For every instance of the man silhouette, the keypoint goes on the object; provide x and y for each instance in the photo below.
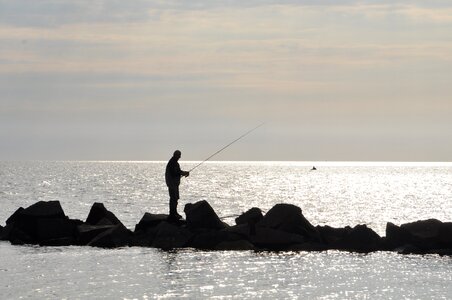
(173, 174)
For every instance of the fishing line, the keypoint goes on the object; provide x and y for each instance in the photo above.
(237, 215)
(240, 137)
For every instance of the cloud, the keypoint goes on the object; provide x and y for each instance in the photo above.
(318, 69)
(52, 13)
(55, 13)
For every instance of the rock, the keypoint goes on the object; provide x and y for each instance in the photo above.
(252, 216)
(17, 236)
(445, 235)
(117, 236)
(289, 218)
(360, 239)
(424, 229)
(209, 239)
(308, 246)
(65, 241)
(143, 239)
(50, 229)
(86, 233)
(425, 234)
(282, 228)
(396, 237)
(146, 230)
(44, 209)
(331, 235)
(146, 238)
(265, 237)
(206, 240)
(99, 215)
(443, 252)
(40, 221)
(274, 239)
(235, 245)
(4, 233)
(170, 236)
(202, 215)
(409, 249)
(242, 231)
(177, 222)
(105, 222)
(14, 216)
(150, 220)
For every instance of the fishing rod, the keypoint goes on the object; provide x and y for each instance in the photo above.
(240, 137)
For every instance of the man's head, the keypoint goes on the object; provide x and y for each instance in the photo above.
(177, 154)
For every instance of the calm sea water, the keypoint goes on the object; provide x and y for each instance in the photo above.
(337, 194)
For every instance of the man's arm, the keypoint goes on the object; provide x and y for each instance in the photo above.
(176, 170)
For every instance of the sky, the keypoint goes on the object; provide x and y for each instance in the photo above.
(135, 80)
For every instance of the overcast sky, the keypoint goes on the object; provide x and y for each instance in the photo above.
(135, 80)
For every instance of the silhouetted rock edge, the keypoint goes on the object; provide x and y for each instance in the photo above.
(282, 228)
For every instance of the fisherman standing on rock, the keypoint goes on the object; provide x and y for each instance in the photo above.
(173, 174)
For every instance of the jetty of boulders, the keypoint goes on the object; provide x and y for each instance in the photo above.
(282, 228)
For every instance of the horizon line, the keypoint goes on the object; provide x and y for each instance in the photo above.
(301, 162)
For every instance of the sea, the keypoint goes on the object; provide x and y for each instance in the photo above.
(336, 194)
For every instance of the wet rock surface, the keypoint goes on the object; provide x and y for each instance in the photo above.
(282, 228)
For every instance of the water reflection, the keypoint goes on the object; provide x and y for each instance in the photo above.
(333, 195)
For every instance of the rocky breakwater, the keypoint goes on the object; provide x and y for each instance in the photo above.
(282, 228)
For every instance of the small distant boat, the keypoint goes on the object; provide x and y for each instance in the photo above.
(313, 168)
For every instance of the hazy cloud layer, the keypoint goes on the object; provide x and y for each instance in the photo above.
(348, 80)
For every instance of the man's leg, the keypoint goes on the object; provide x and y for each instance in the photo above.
(174, 197)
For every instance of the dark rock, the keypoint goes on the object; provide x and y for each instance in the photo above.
(143, 239)
(289, 218)
(86, 233)
(105, 222)
(238, 232)
(4, 233)
(209, 239)
(17, 236)
(206, 240)
(445, 235)
(49, 229)
(274, 239)
(40, 221)
(266, 238)
(308, 246)
(145, 234)
(251, 216)
(150, 220)
(99, 215)
(202, 215)
(409, 249)
(44, 209)
(424, 229)
(396, 237)
(117, 236)
(425, 234)
(283, 228)
(18, 242)
(170, 236)
(65, 241)
(177, 222)
(331, 235)
(360, 239)
(14, 216)
(235, 245)
(242, 231)
(443, 252)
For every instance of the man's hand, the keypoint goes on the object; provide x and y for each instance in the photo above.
(187, 174)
